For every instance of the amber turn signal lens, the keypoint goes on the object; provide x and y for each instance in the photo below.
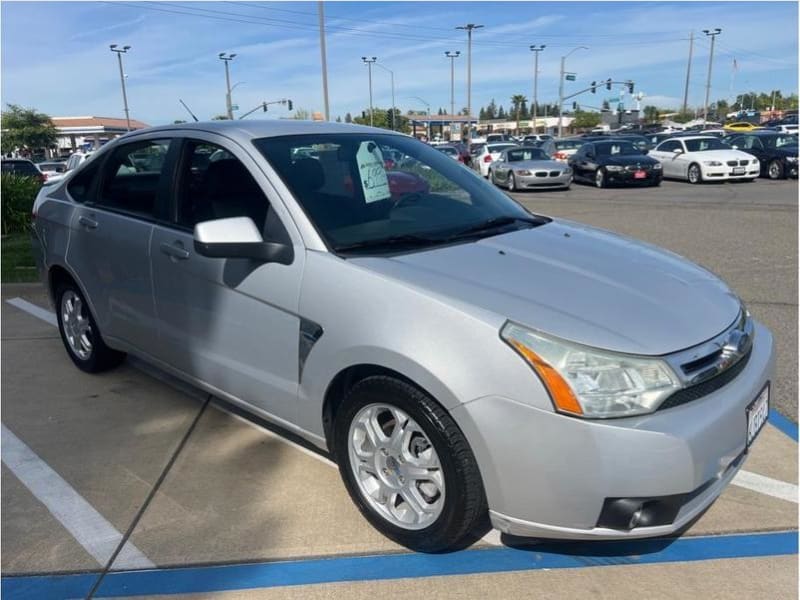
(560, 391)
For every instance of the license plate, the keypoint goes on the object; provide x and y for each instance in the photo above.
(757, 413)
(738, 171)
(639, 175)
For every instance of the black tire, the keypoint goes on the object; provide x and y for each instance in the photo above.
(512, 183)
(600, 178)
(100, 358)
(694, 174)
(775, 169)
(656, 183)
(465, 501)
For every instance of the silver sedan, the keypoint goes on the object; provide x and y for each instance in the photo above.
(529, 168)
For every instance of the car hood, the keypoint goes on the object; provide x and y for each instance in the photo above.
(575, 282)
(638, 159)
(721, 155)
(535, 165)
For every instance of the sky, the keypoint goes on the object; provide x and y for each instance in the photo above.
(55, 55)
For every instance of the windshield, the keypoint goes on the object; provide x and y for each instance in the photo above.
(704, 144)
(568, 144)
(447, 150)
(616, 148)
(496, 148)
(354, 196)
(526, 154)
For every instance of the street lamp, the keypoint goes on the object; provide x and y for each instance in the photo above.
(369, 62)
(561, 84)
(536, 49)
(377, 64)
(452, 56)
(226, 58)
(428, 111)
(469, 28)
(712, 33)
(120, 52)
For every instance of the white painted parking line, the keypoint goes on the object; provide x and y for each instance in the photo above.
(36, 311)
(766, 485)
(89, 528)
(745, 479)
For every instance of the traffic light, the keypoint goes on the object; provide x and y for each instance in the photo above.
(289, 104)
(594, 87)
(264, 106)
(608, 84)
(574, 106)
(630, 87)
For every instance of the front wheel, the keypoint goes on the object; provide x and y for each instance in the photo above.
(694, 175)
(600, 178)
(775, 170)
(407, 466)
(512, 183)
(80, 333)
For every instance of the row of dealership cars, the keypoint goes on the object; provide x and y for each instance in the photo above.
(630, 158)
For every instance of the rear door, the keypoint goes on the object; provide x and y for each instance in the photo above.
(110, 242)
(230, 323)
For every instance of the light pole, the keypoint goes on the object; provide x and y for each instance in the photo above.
(391, 73)
(226, 58)
(469, 28)
(369, 62)
(712, 33)
(536, 49)
(428, 111)
(452, 56)
(120, 52)
(323, 59)
(561, 84)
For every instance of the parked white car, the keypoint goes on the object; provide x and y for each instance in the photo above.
(488, 154)
(75, 160)
(704, 158)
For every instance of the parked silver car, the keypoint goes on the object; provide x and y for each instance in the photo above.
(529, 168)
(457, 355)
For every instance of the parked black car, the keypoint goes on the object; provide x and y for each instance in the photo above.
(615, 160)
(23, 168)
(777, 152)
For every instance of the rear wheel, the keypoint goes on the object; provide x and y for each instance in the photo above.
(80, 334)
(775, 170)
(407, 466)
(694, 174)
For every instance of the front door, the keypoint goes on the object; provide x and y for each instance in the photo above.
(231, 323)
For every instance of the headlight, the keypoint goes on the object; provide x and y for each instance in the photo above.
(614, 168)
(792, 159)
(712, 163)
(523, 172)
(592, 383)
(657, 166)
(567, 171)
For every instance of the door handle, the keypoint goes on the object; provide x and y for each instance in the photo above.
(174, 251)
(87, 222)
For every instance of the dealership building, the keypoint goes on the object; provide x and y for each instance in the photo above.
(89, 133)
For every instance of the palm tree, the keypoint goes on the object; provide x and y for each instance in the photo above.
(518, 100)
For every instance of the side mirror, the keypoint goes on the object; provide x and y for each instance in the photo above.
(735, 147)
(238, 237)
(677, 151)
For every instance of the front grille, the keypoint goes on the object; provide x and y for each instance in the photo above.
(743, 163)
(635, 168)
(732, 163)
(555, 173)
(541, 173)
(704, 388)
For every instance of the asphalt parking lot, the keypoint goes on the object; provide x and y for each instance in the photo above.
(132, 484)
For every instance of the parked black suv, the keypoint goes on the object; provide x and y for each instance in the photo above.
(777, 152)
(22, 167)
(609, 161)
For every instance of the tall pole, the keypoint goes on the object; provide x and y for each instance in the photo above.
(712, 33)
(452, 56)
(469, 28)
(324, 59)
(561, 85)
(226, 58)
(120, 52)
(368, 62)
(688, 72)
(391, 74)
(536, 49)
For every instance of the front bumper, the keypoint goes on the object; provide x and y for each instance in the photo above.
(546, 181)
(724, 173)
(549, 475)
(627, 177)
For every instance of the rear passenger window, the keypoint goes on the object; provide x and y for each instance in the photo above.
(216, 185)
(132, 175)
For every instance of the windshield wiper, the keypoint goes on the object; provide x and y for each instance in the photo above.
(406, 240)
(496, 223)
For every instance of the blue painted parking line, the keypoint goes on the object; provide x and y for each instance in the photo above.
(199, 580)
(783, 423)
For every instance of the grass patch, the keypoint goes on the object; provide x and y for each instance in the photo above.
(16, 262)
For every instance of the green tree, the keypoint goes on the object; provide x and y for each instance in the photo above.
(178, 121)
(382, 118)
(301, 114)
(501, 113)
(491, 110)
(517, 100)
(26, 129)
(348, 118)
(585, 120)
(650, 113)
(219, 118)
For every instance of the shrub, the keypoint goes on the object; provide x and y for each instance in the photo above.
(18, 194)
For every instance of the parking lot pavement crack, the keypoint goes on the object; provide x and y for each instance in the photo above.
(120, 552)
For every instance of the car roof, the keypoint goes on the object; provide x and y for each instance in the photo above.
(19, 160)
(695, 137)
(247, 130)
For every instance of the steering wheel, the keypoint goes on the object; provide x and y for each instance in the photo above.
(408, 198)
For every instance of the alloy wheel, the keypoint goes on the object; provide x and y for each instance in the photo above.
(76, 324)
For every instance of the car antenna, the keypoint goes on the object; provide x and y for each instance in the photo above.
(188, 110)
